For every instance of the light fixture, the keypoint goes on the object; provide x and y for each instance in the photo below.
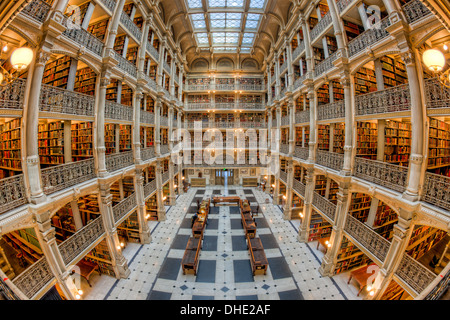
(445, 47)
(20, 60)
(434, 60)
(80, 292)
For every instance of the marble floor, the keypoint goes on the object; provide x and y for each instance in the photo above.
(224, 270)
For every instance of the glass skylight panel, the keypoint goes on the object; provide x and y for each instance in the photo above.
(218, 37)
(198, 21)
(225, 37)
(221, 20)
(248, 38)
(257, 4)
(194, 3)
(226, 3)
(246, 50)
(252, 21)
(202, 38)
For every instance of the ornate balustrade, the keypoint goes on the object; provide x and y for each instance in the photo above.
(331, 160)
(299, 82)
(12, 193)
(321, 26)
(437, 96)
(250, 87)
(37, 10)
(225, 86)
(7, 292)
(437, 190)
(34, 278)
(124, 207)
(165, 177)
(283, 67)
(117, 111)
(334, 110)
(82, 37)
(250, 105)
(251, 124)
(384, 174)
(117, 161)
(283, 176)
(301, 152)
(149, 188)
(414, 274)
(80, 241)
(285, 120)
(369, 37)
(415, 10)
(302, 116)
(147, 153)
(298, 50)
(440, 288)
(147, 117)
(131, 26)
(198, 87)
(57, 178)
(324, 205)
(12, 96)
(153, 52)
(225, 105)
(372, 241)
(324, 65)
(343, 4)
(166, 67)
(57, 100)
(394, 99)
(110, 4)
(164, 149)
(284, 148)
(299, 187)
(199, 106)
(125, 65)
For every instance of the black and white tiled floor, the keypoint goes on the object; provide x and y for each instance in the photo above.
(224, 270)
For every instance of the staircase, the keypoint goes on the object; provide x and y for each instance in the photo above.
(5, 266)
(443, 263)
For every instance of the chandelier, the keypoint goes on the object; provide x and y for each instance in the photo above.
(20, 60)
(434, 60)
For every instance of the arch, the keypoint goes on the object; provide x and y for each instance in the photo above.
(368, 58)
(172, 18)
(82, 58)
(277, 18)
(161, 12)
(200, 64)
(181, 36)
(249, 64)
(225, 64)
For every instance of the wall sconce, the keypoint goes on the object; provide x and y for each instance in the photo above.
(20, 60)
(434, 60)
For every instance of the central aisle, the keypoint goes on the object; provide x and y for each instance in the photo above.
(224, 270)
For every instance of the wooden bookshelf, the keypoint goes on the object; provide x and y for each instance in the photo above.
(98, 29)
(365, 81)
(82, 141)
(360, 206)
(339, 138)
(110, 138)
(352, 30)
(395, 292)
(63, 223)
(318, 227)
(323, 94)
(439, 147)
(127, 96)
(128, 230)
(56, 72)
(367, 137)
(397, 142)
(127, 188)
(10, 148)
(385, 219)
(152, 207)
(321, 185)
(422, 239)
(394, 71)
(85, 79)
(323, 142)
(119, 44)
(89, 209)
(350, 257)
(100, 255)
(51, 143)
(112, 90)
(25, 241)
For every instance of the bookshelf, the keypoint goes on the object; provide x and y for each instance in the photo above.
(112, 90)
(318, 55)
(397, 142)
(365, 81)
(51, 143)
(385, 219)
(339, 137)
(198, 98)
(10, 148)
(394, 71)
(85, 79)
(63, 223)
(152, 208)
(360, 206)
(26, 242)
(89, 209)
(56, 72)
(127, 96)
(439, 147)
(331, 44)
(323, 142)
(422, 239)
(367, 137)
(132, 53)
(352, 30)
(321, 185)
(127, 189)
(199, 81)
(350, 257)
(98, 29)
(80, 13)
(82, 141)
(101, 256)
(338, 90)
(318, 227)
(395, 292)
(119, 44)
(128, 230)
(110, 138)
(333, 190)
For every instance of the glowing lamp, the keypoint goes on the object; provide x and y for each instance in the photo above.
(434, 60)
(21, 58)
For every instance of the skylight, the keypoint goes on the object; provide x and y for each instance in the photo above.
(226, 3)
(228, 20)
(194, 3)
(198, 21)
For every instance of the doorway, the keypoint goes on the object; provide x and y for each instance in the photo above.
(224, 177)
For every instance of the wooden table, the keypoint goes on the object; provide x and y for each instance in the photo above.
(189, 263)
(360, 275)
(85, 269)
(323, 242)
(248, 224)
(258, 258)
(245, 206)
(200, 222)
(229, 199)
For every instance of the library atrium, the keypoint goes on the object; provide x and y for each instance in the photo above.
(224, 150)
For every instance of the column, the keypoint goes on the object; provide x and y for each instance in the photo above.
(291, 110)
(343, 202)
(287, 212)
(290, 82)
(372, 212)
(144, 230)
(350, 123)
(380, 139)
(136, 137)
(276, 192)
(159, 192)
(172, 197)
(303, 231)
(158, 126)
(170, 131)
(31, 118)
(46, 237)
(67, 141)
(312, 124)
(76, 215)
(99, 124)
(119, 263)
(113, 26)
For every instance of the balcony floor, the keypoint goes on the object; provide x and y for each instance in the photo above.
(224, 268)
